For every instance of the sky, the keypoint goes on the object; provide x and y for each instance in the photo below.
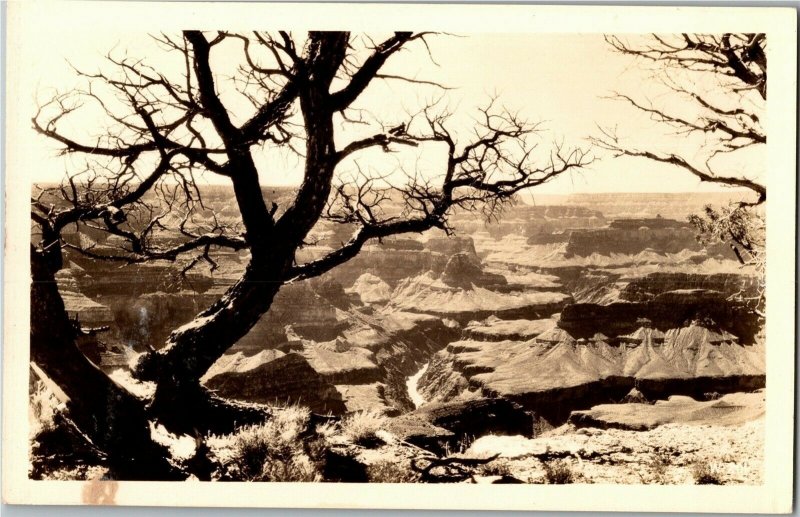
(562, 80)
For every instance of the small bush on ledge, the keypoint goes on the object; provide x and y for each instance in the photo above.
(558, 472)
(705, 474)
(360, 428)
(272, 451)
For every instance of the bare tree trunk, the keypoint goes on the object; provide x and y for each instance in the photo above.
(193, 348)
(180, 402)
(111, 417)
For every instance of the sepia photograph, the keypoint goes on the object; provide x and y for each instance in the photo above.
(314, 258)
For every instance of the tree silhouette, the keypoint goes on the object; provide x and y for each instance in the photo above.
(716, 87)
(166, 126)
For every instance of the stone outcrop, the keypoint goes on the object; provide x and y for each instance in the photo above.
(530, 221)
(284, 380)
(670, 239)
(555, 373)
(400, 343)
(464, 271)
(428, 295)
(341, 362)
(648, 205)
(496, 329)
(672, 309)
(439, 425)
(731, 409)
(391, 263)
(449, 246)
(653, 284)
(87, 311)
(371, 289)
(631, 236)
(309, 314)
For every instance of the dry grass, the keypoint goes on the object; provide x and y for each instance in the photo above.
(390, 472)
(360, 427)
(272, 451)
(659, 465)
(706, 474)
(558, 472)
(328, 430)
(500, 467)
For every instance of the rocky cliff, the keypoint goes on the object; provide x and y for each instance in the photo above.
(671, 309)
(366, 365)
(531, 221)
(555, 372)
(428, 295)
(390, 264)
(283, 380)
(652, 234)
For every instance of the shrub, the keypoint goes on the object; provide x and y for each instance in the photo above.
(496, 468)
(272, 451)
(541, 426)
(659, 464)
(558, 472)
(705, 474)
(460, 447)
(327, 430)
(390, 472)
(360, 427)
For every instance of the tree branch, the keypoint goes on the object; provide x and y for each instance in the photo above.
(359, 81)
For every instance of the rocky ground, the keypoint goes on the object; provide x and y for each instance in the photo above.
(692, 445)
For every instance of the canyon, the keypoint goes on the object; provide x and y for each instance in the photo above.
(542, 315)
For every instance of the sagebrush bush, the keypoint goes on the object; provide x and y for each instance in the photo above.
(496, 468)
(272, 451)
(327, 430)
(705, 474)
(390, 472)
(558, 472)
(360, 427)
(460, 447)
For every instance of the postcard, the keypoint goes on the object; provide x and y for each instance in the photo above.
(418, 256)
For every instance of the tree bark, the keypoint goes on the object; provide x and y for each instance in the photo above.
(193, 348)
(112, 418)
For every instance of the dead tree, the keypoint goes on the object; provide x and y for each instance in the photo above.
(168, 126)
(715, 99)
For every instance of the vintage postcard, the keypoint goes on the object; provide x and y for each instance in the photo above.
(399, 256)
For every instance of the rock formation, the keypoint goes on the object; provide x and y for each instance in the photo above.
(371, 289)
(464, 271)
(554, 373)
(286, 379)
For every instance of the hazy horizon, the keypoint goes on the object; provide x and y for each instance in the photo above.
(563, 80)
(723, 191)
